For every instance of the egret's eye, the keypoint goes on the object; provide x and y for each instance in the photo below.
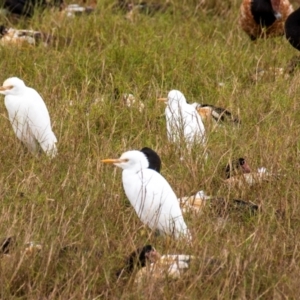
(124, 160)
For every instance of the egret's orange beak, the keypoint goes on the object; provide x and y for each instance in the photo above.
(114, 160)
(162, 99)
(5, 88)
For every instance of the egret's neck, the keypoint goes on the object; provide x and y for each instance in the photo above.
(132, 172)
(175, 104)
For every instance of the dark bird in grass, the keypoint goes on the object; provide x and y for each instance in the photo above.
(238, 173)
(149, 264)
(138, 259)
(153, 159)
(208, 112)
(219, 205)
(292, 29)
(17, 37)
(264, 18)
(26, 7)
(7, 245)
(236, 167)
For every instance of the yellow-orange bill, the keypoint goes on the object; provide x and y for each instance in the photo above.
(5, 88)
(109, 160)
(162, 99)
(113, 160)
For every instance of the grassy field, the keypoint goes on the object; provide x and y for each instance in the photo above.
(74, 199)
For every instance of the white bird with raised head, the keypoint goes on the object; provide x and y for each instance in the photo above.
(183, 121)
(29, 116)
(150, 195)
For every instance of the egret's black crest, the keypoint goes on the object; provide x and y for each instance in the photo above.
(153, 158)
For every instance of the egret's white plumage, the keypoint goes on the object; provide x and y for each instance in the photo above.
(28, 116)
(183, 121)
(151, 195)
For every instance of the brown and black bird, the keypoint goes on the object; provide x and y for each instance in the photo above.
(239, 174)
(150, 265)
(11, 36)
(264, 18)
(196, 203)
(218, 114)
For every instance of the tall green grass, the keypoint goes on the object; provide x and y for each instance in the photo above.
(76, 200)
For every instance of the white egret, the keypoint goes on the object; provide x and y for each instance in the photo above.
(183, 121)
(28, 116)
(150, 195)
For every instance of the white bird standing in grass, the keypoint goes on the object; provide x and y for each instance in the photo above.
(28, 116)
(183, 121)
(151, 195)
